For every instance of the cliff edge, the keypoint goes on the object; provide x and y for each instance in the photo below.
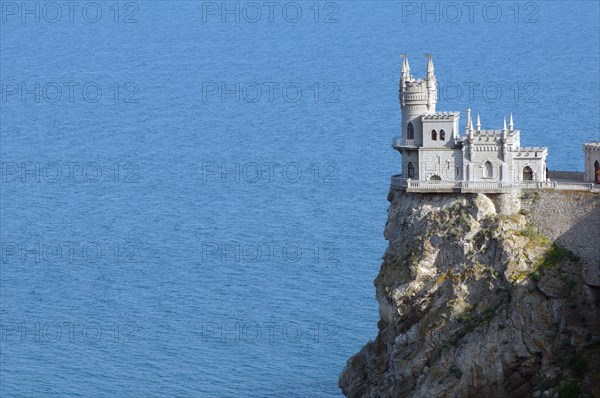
(485, 296)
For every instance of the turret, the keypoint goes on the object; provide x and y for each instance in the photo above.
(417, 98)
(469, 126)
(404, 77)
(430, 69)
(431, 85)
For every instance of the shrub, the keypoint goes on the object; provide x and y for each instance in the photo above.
(535, 275)
(569, 390)
(455, 370)
(530, 232)
(557, 254)
(577, 365)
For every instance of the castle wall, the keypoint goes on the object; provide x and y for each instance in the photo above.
(538, 166)
(477, 170)
(441, 162)
(446, 125)
(592, 155)
(407, 157)
(415, 119)
(570, 219)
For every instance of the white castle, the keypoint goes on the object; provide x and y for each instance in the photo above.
(433, 149)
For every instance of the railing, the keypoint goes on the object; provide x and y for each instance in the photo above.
(506, 186)
(473, 186)
(432, 186)
(537, 184)
(399, 142)
(573, 187)
(400, 183)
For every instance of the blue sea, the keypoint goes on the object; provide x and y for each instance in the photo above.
(193, 193)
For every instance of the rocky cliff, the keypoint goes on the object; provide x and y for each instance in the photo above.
(485, 296)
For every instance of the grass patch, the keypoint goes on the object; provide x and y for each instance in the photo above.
(569, 390)
(531, 232)
(578, 365)
(557, 254)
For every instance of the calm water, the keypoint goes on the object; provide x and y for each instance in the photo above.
(210, 224)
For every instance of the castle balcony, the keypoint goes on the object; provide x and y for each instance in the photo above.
(432, 186)
(398, 143)
(496, 187)
(504, 187)
(408, 185)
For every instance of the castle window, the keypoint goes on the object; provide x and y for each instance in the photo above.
(442, 135)
(434, 135)
(487, 170)
(435, 178)
(527, 174)
(410, 132)
(411, 170)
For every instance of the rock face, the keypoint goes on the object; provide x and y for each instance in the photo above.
(479, 304)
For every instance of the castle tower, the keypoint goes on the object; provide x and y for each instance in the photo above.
(417, 98)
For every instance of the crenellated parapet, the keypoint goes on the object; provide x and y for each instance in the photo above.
(419, 94)
(591, 146)
(532, 151)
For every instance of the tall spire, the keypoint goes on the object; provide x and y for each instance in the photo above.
(504, 125)
(407, 66)
(478, 122)
(403, 77)
(511, 125)
(430, 69)
(431, 86)
(469, 122)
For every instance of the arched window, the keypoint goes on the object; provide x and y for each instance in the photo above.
(527, 174)
(596, 165)
(410, 132)
(411, 170)
(435, 178)
(442, 135)
(434, 135)
(488, 170)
